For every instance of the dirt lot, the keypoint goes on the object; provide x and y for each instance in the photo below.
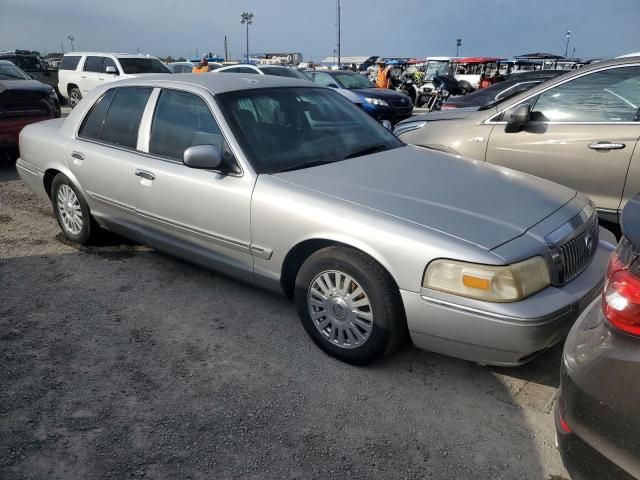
(120, 362)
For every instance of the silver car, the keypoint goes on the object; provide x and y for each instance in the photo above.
(286, 185)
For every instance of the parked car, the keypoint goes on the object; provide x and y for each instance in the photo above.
(380, 103)
(31, 64)
(286, 185)
(511, 87)
(579, 129)
(597, 425)
(274, 70)
(22, 101)
(187, 67)
(81, 72)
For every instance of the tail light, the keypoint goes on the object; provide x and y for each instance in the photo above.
(621, 297)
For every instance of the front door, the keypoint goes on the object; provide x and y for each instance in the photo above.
(103, 155)
(201, 215)
(581, 134)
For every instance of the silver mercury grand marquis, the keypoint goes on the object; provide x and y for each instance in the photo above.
(287, 185)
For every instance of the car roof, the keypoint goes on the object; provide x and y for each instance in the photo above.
(102, 54)
(229, 82)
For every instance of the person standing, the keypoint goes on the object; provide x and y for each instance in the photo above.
(383, 75)
(202, 67)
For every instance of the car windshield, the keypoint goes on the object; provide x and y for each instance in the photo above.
(436, 67)
(142, 65)
(8, 71)
(352, 80)
(284, 72)
(282, 129)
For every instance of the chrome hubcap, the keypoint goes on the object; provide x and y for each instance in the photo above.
(340, 309)
(69, 209)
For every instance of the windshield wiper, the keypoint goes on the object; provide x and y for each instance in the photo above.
(366, 151)
(311, 163)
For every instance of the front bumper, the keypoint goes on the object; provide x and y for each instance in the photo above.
(504, 334)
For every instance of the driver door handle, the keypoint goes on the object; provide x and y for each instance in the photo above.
(145, 174)
(606, 146)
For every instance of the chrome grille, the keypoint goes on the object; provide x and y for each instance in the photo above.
(576, 253)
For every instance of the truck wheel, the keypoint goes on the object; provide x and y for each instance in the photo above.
(74, 97)
(349, 305)
(72, 211)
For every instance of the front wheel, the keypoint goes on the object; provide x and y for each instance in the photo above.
(349, 305)
(74, 97)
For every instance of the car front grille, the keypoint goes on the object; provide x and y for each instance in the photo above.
(574, 255)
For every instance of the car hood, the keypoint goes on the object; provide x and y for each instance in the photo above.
(381, 93)
(481, 203)
(454, 114)
(32, 85)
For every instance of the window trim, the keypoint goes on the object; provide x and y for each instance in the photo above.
(490, 121)
(147, 122)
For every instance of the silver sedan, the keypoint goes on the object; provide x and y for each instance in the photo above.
(287, 185)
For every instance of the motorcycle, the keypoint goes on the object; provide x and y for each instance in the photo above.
(407, 85)
(443, 87)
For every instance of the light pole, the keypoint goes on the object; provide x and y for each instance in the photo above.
(246, 18)
(566, 50)
(458, 45)
(338, 25)
(71, 38)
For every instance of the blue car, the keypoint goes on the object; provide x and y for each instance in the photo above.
(380, 103)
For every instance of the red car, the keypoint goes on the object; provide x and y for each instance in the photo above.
(22, 101)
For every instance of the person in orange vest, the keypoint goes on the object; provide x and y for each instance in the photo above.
(383, 76)
(202, 67)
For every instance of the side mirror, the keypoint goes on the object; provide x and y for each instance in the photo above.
(386, 124)
(208, 157)
(111, 69)
(519, 117)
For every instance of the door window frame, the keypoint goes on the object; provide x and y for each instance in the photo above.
(531, 99)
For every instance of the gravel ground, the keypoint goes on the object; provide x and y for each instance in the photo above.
(120, 362)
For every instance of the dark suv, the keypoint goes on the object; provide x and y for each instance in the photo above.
(33, 66)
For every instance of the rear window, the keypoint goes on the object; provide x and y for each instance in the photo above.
(69, 62)
(284, 72)
(115, 118)
(142, 65)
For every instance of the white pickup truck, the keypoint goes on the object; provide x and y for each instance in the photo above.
(81, 72)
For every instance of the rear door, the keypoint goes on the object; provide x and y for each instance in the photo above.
(103, 154)
(92, 74)
(202, 215)
(582, 134)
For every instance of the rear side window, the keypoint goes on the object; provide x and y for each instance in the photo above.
(123, 118)
(69, 62)
(115, 118)
(92, 125)
(93, 64)
(181, 120)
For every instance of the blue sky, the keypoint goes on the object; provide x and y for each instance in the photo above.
(599, 28)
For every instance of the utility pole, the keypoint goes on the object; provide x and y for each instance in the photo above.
(62, 48)
(338, 25)
(246, 18)
(226, 49)
(458, 45)
(566, 50)
(71, 38)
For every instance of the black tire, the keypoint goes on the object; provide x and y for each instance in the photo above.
(74, 96)
(389, 322)
(90, 229)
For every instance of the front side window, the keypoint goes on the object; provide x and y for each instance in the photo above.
(142, 65)
(290, 128)
(607, 96)
(115, 118)
(323, 79)
(181, 120)
(108, 62)
(283, 72)
(93, 64)
(69, 62)
(29, 63)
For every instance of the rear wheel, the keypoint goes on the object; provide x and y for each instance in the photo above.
(74, 97)
(72, 211)
(349, 305)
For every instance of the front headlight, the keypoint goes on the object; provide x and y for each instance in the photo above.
(376, 101)
(508, 283)
(407, 127)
